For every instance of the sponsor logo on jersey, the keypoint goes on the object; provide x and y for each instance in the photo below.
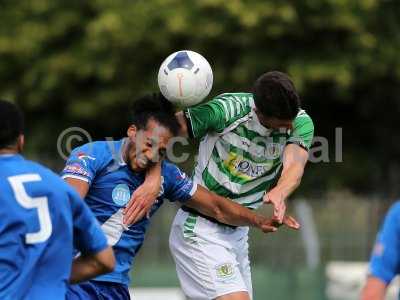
(75, 168)
(245, 168)
(225, 270)
(121, 194)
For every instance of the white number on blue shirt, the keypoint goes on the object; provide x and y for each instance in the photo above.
(39, 203)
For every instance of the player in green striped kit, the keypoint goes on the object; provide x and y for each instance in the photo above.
(253, 150)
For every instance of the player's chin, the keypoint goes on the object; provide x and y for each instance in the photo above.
(141, 165)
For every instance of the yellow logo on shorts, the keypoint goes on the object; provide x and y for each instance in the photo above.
(224, 270)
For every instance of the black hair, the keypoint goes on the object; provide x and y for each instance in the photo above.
(11, 124)
(275, 96)
(154, 106)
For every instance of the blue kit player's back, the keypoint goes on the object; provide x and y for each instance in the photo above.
(41, 220)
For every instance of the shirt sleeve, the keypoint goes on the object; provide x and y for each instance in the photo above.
(88, 235)
(83, 164)
(303, 131)
(216, 114)
(385, 258)
(178, 186)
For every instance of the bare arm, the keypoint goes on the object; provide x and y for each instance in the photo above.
(229, 212)
(89, 266)
(294, 161)
(374, 289)
(183, 125)
(144, 196)
(81, 186)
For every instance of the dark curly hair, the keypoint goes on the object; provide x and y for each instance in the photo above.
(11, 124)
(275, 96)
(154, 106)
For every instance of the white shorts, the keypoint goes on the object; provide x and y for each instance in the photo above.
(211, 259)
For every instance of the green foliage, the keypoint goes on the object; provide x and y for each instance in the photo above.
(82, 63)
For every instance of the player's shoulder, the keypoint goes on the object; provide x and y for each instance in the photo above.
(99, 151)
(97, 147)
(302, 114)
(394, 210)
(171, 172)
(303, 118)
(168, 167)
(245, 99)
(234, 105)
(52, 179)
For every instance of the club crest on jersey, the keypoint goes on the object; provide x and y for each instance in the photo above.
(121, 194)
(225, 270)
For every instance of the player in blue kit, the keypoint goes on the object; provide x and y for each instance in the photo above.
(385, 259)
(107, 173)
(41, 220)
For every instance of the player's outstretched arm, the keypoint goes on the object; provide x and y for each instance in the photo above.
(231, 213)
(374, 289)
(294, 161)
(89, 266)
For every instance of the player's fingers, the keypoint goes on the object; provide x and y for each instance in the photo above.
(133, 202)
(131, 206)
(291, 222)
(132, 219)
(135, 213)
(277, 216)
(268, 228)
(281, 213)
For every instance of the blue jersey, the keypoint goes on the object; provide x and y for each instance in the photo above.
(385, 259)
(41, 217)
(112, 183)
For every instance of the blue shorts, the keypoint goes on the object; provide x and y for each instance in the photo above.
(97, 290)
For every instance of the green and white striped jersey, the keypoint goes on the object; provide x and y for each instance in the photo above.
(238, 157)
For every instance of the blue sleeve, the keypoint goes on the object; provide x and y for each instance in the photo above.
(385, 258)
(178, 186)
(83, 163)
(88, 235)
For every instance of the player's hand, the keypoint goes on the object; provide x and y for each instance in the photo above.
(271, 225)
(141, 202)
(276, 198)
(288, 221)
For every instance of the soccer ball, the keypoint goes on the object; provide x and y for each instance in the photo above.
(185, 78)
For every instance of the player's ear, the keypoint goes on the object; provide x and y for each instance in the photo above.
(131, 132)
(20, 142)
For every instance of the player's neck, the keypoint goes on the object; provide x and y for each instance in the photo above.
(9, 151)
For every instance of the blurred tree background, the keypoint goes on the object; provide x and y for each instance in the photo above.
(81, 63)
